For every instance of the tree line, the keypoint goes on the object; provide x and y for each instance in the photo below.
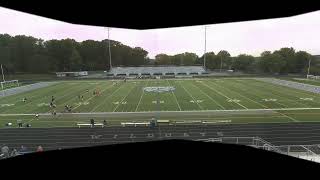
(32, 55)
(28, 54)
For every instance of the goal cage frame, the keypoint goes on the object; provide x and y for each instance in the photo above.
(3, 83)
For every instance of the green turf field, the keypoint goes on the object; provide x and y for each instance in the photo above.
(206, 99)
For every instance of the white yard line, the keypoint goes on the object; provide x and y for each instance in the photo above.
(209, 97)
(124, 98)
(106, 98)
(293, 119)
(190, 95)
(87, 100)
(224, 95)
(141, 97)
(279, 95)
(69, 99)
(175, 97)
(30, 102)
(262, 98)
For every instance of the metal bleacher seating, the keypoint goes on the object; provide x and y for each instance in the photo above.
(156, 71)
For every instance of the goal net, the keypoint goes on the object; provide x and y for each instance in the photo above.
(9, 84)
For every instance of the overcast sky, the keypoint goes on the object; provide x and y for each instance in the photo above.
(252, 37)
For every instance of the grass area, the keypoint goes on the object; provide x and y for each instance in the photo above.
(199, 95)
(31, 77)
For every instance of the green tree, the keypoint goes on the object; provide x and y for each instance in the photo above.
(271, 62)
(301, 61)
(244, 63)
(189, 58)
(162, 59)
(225, 59)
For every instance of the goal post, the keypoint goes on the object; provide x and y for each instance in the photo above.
(9, 84)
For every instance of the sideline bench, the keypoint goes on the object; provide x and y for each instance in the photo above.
(88, 124)
(135, 124)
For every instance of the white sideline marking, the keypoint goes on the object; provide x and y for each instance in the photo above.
(141, 112)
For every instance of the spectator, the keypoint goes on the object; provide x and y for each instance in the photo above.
(104, 123)
(39, 149)
(92, 122)
(5, 151)
(14, 153)
(23, 149)
(19, 123)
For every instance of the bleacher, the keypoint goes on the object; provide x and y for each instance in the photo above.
(156, 71)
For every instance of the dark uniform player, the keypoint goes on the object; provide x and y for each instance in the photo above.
(19, 123)
(52, 99)
(104, 123)
(24, 99)
(54, 113)
(92, 122)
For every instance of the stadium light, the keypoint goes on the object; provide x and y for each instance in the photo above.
(220, 63)
(2, 74)
(205, 47)
(309, 68)
(109, 48)
(3, 94)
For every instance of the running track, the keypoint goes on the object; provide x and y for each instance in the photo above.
(54, 138)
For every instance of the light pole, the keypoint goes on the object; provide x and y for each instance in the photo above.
(220, 63)
(3, 93)
(205, 47)
(309, 68)
(2, 74)
(109, 49)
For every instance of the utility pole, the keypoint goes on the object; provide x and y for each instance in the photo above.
(205, 47)
(2, 74)
(220, 63)
(109, 49)
(309, 68)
